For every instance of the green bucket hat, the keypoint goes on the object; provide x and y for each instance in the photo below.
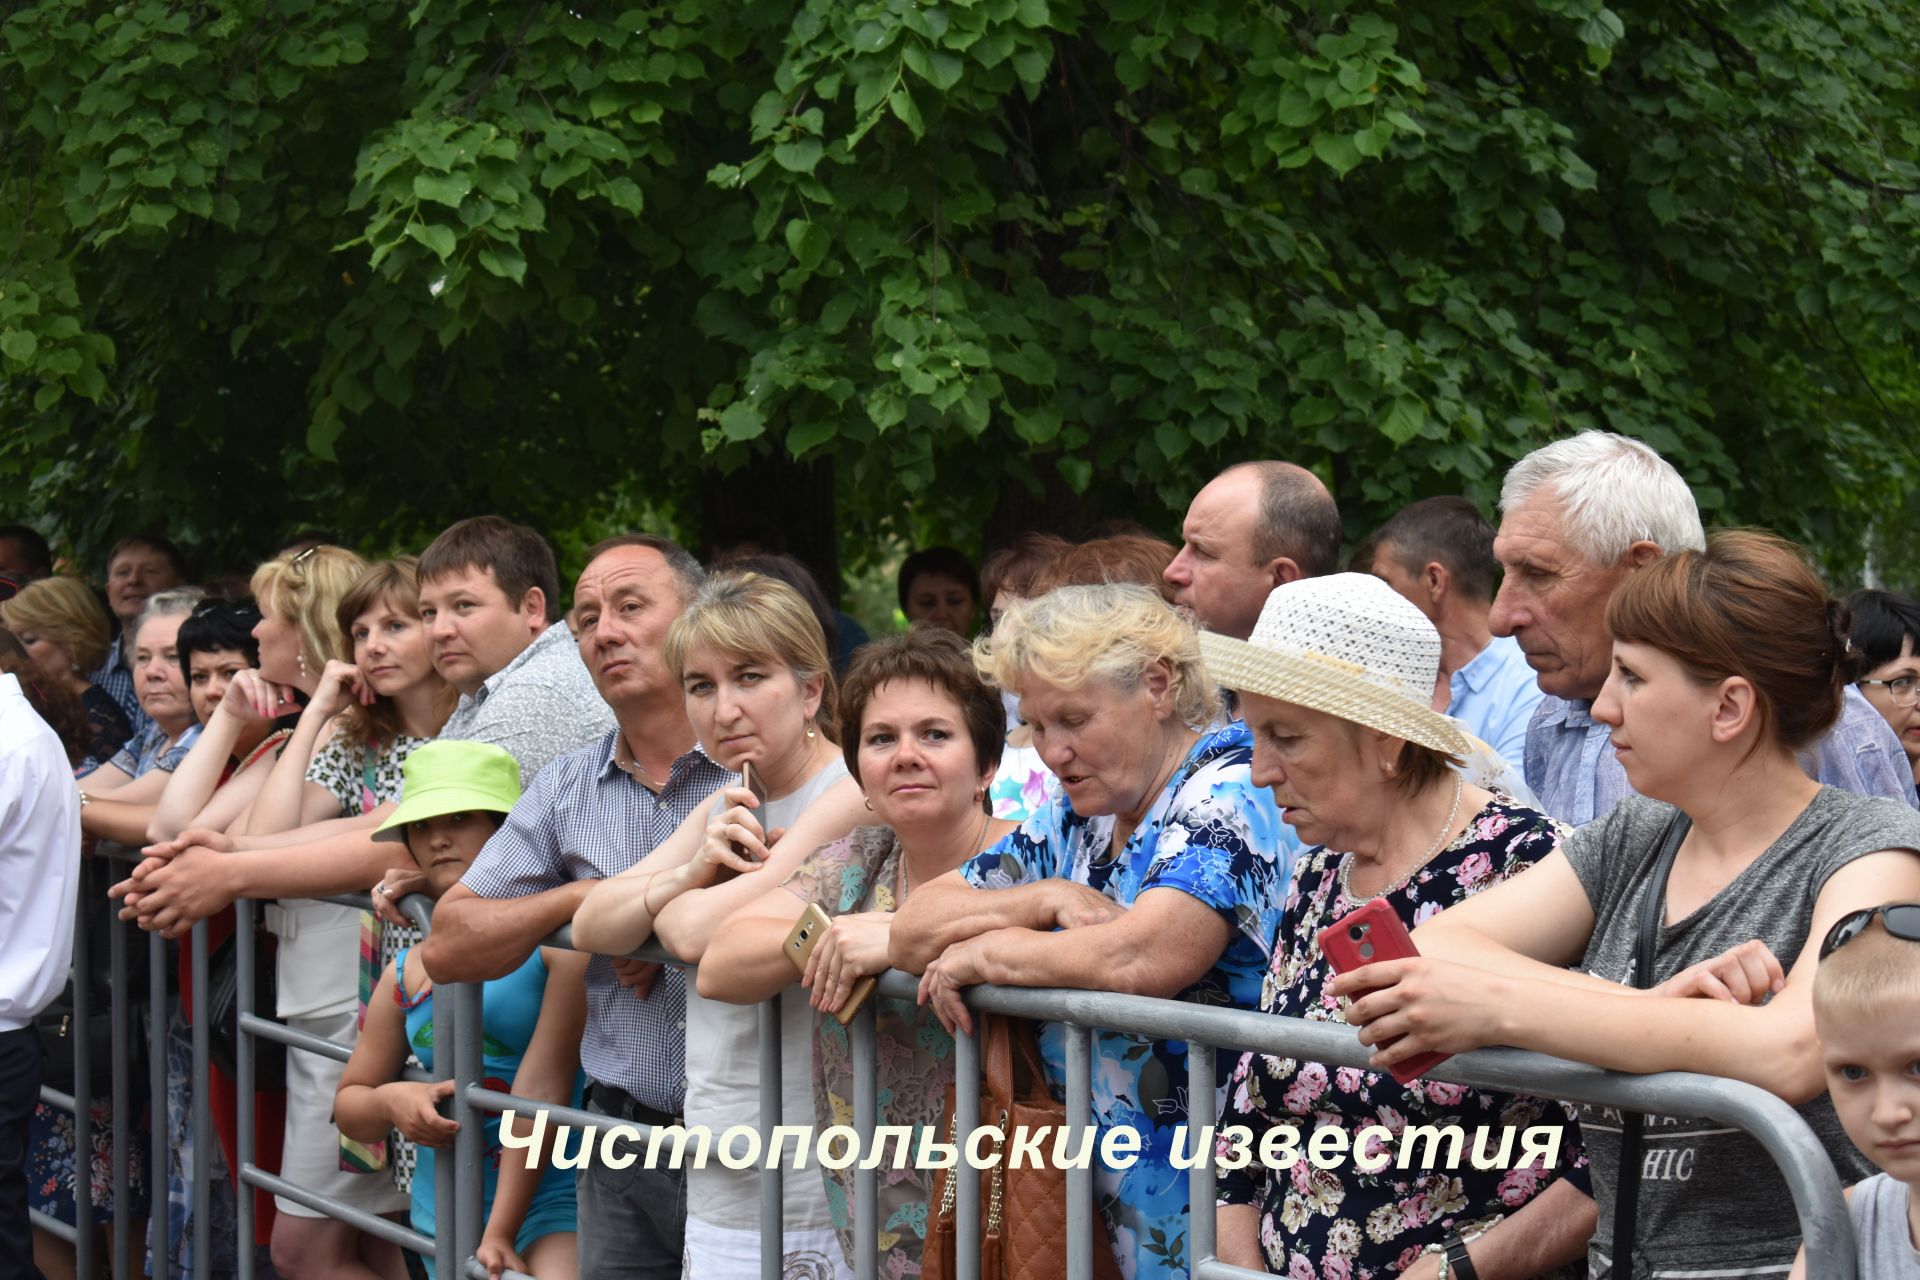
(452, 777)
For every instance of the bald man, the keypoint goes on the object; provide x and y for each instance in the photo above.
(1253, 527)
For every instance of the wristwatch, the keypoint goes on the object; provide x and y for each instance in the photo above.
(1456, 1261)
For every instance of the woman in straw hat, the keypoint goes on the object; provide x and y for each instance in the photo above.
(1156, 868)
(1335, 684)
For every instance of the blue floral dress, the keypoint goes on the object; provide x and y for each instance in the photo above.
(1217, 837)
(1347, 1223)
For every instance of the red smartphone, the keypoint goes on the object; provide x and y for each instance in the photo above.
(1366, 936)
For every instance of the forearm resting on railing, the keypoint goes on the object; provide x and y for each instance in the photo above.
(477, 939)
(949, 910)
(747, 962)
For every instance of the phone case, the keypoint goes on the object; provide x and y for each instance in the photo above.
(1366, 936)
(750, 779)
(813, 922)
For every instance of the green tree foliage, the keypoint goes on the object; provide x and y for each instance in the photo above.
(368, 265)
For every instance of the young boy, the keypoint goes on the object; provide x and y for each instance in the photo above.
(1866, 1006)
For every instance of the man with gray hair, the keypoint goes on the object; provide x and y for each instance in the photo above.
(1253, 527)
(1578, 516)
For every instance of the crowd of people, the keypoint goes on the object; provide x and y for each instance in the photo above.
(1646, 798)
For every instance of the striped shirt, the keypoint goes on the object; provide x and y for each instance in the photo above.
(584, 818)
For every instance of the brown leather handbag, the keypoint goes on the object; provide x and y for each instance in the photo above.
(1023, 1212)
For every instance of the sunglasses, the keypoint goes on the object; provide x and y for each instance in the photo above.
(1902, 921)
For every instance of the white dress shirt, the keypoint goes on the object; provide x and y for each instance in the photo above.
(39, 860)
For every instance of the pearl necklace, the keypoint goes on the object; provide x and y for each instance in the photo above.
(1346, 862)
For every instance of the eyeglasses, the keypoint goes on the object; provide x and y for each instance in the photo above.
(1902, 920)
(1904, 690)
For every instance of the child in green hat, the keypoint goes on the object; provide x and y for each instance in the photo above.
(456, 795)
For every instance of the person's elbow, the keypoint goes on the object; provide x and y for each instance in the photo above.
(1795, 1074)
(459, 947)
(160, 830)
(356, 1120)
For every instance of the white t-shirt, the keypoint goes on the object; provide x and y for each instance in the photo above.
(723, 1077)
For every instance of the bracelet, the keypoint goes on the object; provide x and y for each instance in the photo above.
(85, 799)
(1457, 1259)
(1442, 1273)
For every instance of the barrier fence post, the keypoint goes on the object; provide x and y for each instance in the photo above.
(446, 1259)
(469, 1145)
(199, 1088)
(866, 1177)
(1201, 1114)
(160, 1247)
(966, 1118)
(81, 1030)
(123, 1117)
(772, 1098)
(1079, 1177)
(243, 945)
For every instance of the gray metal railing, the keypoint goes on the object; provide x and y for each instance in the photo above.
(1810, 1177)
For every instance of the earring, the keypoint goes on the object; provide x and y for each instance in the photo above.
(811, 735)
(979, 794)
(867, 801)
(301, 658)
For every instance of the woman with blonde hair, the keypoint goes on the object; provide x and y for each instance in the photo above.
(1157, 868)
(752, 661)
(61, 625)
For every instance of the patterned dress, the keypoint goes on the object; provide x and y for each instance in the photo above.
(913, 1054)
(1217, 837)
(1346, 1223)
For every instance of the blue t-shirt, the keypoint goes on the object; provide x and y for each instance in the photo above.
(1215, 836)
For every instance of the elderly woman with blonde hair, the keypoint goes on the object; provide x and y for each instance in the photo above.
(1156, 868)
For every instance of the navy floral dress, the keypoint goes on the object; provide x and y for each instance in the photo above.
(1211, 834)
(1346, 1223)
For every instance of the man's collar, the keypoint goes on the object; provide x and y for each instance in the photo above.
(520, 659)
(1482, 668)
(1575, 713)
(618, 759)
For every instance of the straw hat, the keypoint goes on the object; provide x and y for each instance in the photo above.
(452, 776)
(1346, 644)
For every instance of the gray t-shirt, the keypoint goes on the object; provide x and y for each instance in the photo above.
(1711, 1199)
(1879, 1207)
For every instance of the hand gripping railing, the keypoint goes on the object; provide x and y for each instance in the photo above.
(458, 1190)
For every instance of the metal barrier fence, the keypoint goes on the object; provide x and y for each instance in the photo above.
(1826, 1227)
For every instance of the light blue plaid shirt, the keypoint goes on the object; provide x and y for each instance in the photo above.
(1571, 765)
(583, 818)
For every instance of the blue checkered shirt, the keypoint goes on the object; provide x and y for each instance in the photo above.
(1571, 765)
(114, 677)
(584, 818)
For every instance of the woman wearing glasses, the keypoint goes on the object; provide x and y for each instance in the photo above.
(1886, 635)
(1726, 662)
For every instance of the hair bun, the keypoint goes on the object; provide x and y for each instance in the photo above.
(1846, 657)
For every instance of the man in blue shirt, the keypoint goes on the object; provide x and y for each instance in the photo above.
(1578, 516)
(1438, 553)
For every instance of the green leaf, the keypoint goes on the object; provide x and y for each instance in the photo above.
(908, 112)
(1077, 472)
(506, 261)
(1337, 152)
(19, 345)
(798, 156)
(741, 421)
(938, 68)
(1550, 220)
(811, 435)
(1033, 13)
(448, 189)
(1405, 416)
(1037, 425)
(808, 241)
(438, 239)
(145, 213)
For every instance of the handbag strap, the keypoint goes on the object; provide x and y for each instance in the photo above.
(1626, 1201)
(1011, 1050)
